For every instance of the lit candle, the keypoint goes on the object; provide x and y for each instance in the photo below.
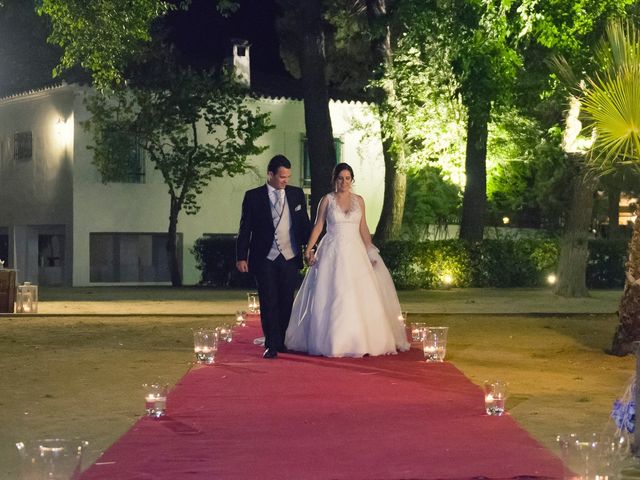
(202, 349)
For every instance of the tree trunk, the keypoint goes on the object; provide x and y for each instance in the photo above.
(395, 178)
(574, 251)
(322, 153)
(613, 211)
(475, 190)
(395, 191)
(628, 330)
(172, 245)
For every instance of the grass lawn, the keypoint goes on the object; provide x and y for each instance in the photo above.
(81, 376)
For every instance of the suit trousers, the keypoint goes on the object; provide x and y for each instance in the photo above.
(277, 281)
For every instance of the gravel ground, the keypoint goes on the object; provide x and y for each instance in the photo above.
(76, 368)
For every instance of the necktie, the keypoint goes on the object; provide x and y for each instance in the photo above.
(279, 201)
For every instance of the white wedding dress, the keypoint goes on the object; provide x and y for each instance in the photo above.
(346, 307)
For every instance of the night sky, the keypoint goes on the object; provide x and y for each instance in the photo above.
(203, 35)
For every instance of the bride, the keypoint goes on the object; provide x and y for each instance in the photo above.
(347, 305)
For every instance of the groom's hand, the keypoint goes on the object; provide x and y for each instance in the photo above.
(242, 266)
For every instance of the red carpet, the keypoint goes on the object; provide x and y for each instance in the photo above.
(304, 418)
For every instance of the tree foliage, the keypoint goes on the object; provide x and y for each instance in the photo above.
(101, 36)
(472, 47)
(570, 28)
(612, 99)
(528, 172)
(167, 117)
(432, 202)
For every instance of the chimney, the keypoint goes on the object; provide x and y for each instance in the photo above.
(240, 61)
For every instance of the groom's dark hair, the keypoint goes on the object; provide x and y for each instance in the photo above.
(276, 162)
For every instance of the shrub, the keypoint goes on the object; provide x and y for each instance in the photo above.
(216, 260)
(605, 267)
(490, 263)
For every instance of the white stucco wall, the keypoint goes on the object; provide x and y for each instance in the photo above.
(36, 193)
(62, 187)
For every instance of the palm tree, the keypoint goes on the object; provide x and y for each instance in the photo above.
(611, 105)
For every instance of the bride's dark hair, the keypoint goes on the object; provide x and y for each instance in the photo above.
(339, 168)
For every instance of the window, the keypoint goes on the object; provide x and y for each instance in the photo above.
(4, 249)
(50, 250)
(22, 146)
(135, 171)
(306, 162)
(127, 159)
(130, 257)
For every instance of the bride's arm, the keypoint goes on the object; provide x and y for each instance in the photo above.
(316, 231)
(364, 229)
(366, 235)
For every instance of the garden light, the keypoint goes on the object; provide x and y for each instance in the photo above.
(447, 279)
(551, 279)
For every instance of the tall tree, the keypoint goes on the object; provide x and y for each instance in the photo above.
(322, 153)
(366, 39)
(611, 103)
(165, 120)
(384, 97)
(570, 37)
(574, 252)
(302, 33)
(476, 43)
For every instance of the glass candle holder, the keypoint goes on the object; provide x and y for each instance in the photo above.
(51, 458)
(225, 334)
(417, 331)
(205, 345)
(27, 298)
(253, 302)
(155, 399)
(241, 318)
(495, 397)
(434, 343)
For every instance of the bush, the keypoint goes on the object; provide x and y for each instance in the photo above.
(490, 263)
(497, 263)
(605, 268)
(216, 260)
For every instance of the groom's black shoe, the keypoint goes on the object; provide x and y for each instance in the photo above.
(282, 349)
(270, 353)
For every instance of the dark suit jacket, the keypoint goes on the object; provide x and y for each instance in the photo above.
(256, 233)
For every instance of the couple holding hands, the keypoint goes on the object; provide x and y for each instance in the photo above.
(347, 305)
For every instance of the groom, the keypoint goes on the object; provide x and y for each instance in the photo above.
(273, 229)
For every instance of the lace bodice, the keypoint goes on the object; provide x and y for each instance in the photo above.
(337, 216)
